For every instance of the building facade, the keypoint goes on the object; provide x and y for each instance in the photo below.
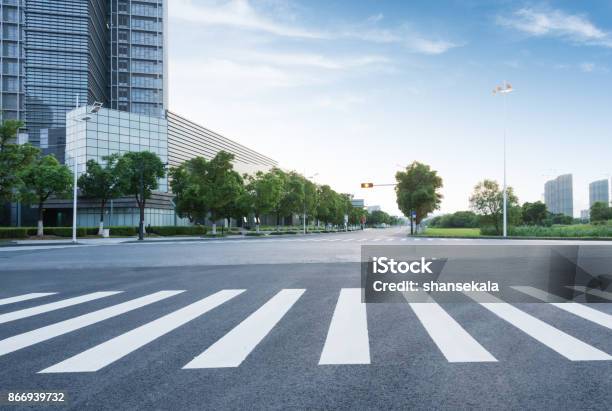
(558, 195)
(187, 140)
(599, 191)
(60, 54)
(138, 60)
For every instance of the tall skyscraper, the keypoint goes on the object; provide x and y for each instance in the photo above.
(599, 191)
(138, 56)
(58, 52)
(558, 195)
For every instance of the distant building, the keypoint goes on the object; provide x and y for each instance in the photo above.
(373, 208)
(599, 191)
(559, 196)
(358, 202)
(584, 215)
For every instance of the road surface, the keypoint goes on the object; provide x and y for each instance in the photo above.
(277, 323)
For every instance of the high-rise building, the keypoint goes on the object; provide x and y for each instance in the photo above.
(599, 191)
(138, 56)
(558, 195)
(60, 53)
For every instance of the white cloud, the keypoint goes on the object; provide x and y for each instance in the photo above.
(556, 23)
(587, 67)
(236, 13)
(241, 14)
(315, 60)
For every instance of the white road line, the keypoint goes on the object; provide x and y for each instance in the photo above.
(390, 239)
(454, 341)
(597, 293)
(17, 342)
(24, 297)
(566, 345)
(362, 239)
(112, 350)
(575, 308)
(29, 312)
(347, 240)
(235, 346)
(376, 239)
(416, 239)
(347, 339)
(404, 239)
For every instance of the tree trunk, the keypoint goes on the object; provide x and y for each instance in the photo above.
(141, 229)
(101, 227)
(40, 230)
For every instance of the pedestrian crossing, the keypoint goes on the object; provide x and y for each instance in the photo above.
(347, 340)
(314, 239)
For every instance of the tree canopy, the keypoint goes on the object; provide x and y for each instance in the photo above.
(418, 189)
(14, 159)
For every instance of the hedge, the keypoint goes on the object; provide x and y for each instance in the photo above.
(175, 230)
(569, 231)
(13, 232)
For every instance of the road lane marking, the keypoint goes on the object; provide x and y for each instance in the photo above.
(555, 339)
(404, 239)
(573, 307)
(376, 239)
(17, 342)
(455, 343)
(112, 350)
(23, 297)
(235, 346)
(593, 291)
(29, 312)
(347, 339)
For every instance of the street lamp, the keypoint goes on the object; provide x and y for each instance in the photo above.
(94, 110)
(504, 89)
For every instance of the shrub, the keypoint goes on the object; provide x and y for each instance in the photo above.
(254, 234)
(177, 230)
(13, 232)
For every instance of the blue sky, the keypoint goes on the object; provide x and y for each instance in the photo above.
(355, 90)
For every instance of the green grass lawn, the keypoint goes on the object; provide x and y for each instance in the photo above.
(452, 232)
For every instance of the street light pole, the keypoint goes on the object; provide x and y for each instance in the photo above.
(95, 108)
(504, 89)
(304, 191)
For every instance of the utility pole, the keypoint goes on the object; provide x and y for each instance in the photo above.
(141, 203)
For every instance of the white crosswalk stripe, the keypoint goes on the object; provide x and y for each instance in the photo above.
(110, 351)
(454, 341)
(347, 338)
(565, 344)
(597, 293)
(233, 348)
(24, 297)
(29, 338)
(575, 308)
(29, 312)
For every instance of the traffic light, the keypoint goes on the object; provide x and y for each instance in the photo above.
(367, 185)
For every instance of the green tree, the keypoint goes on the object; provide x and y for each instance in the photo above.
(378, 217)
(139, 174)
(14, 159)
(101, 182)
(600, 211)
(311, 198)
(326, 207)
(487, 200)
(292, 197)
(534, 213)
(43, 178)
(264, 190)
(417, 190)
(187, 188)
(223, 187)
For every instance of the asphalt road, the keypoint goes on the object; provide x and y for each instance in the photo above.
(276, 323)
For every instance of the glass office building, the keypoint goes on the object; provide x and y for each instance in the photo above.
(138, 56)
(12, 70)
(95, 136)
(559, 196)
(58, 54)
(599, 192)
